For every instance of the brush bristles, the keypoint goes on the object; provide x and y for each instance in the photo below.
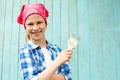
(72, 42)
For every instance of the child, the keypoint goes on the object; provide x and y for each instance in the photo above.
(39, 59)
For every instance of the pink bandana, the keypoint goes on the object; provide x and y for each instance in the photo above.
(29, 9)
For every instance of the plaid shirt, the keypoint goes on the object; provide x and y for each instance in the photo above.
(32, 61)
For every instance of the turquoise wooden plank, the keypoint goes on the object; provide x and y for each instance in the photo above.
(95, 40)
(109, 57)
(73, 30)
(2, 9)
(14, 43)
(49, 6)
(109, 42)
(64, 23)
(83, 46)
(56, 22)
(7, 41)
(116, 4)
(19, 75)
(22, 35)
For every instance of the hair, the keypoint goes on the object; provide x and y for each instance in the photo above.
(27, 37)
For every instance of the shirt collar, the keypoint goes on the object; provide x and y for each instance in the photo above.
(34, 45)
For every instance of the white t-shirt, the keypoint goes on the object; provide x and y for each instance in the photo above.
(47, 56)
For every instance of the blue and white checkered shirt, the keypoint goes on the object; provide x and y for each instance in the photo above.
(32, 61)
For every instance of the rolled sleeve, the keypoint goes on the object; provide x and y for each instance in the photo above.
(65, 71)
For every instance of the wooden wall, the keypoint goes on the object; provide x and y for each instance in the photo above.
(97, 22)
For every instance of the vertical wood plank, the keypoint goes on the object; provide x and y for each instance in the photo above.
(7, 40)
(64, 23)
(49, 6)
(56, 22)
(95, 39)
(109, 41)
(2, 18)
(116, 4)
(73, 30)
(14, 43)
(83, 46)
